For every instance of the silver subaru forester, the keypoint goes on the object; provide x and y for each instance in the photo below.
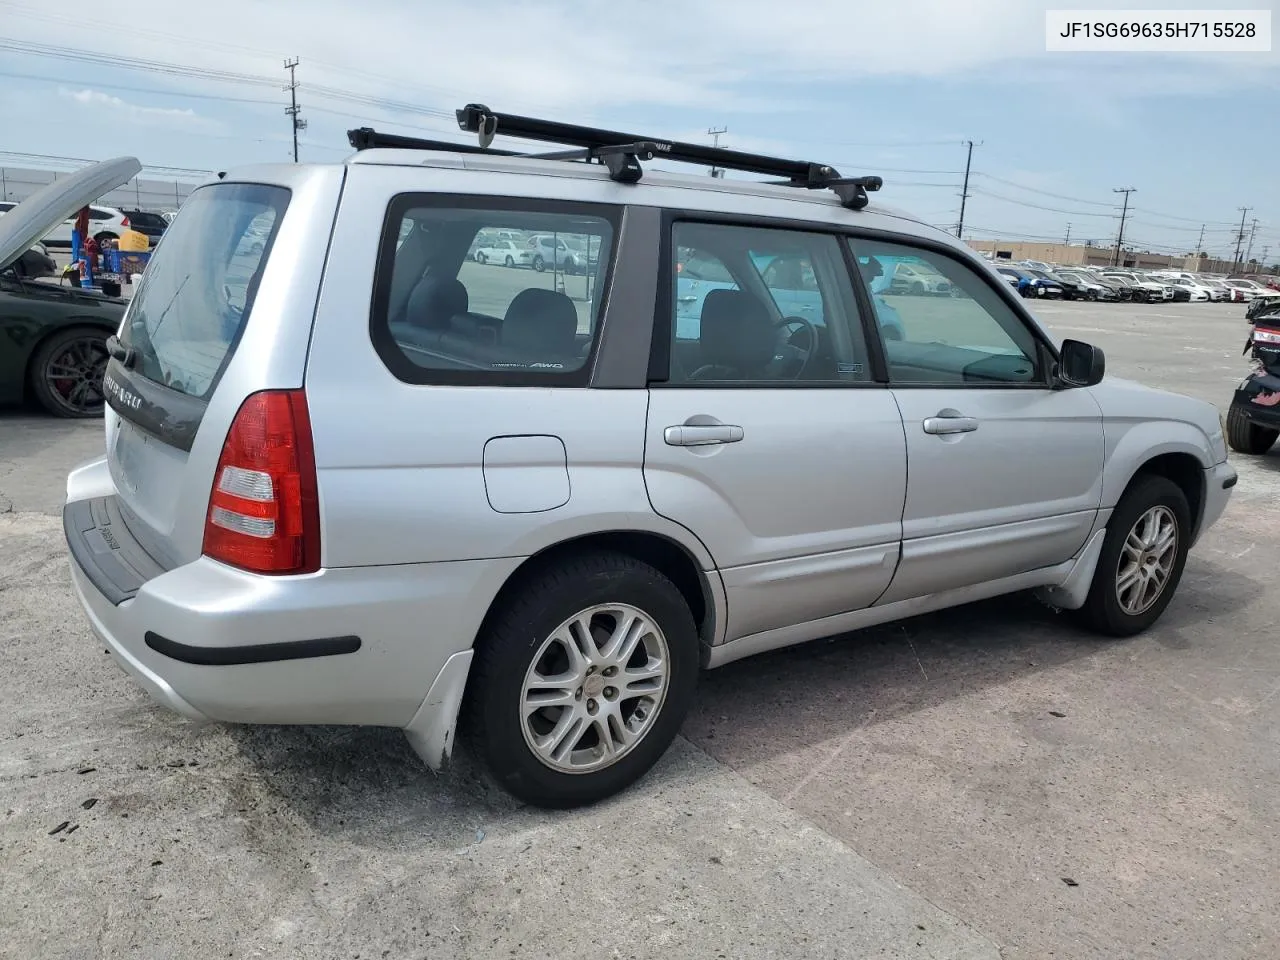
(356, 474)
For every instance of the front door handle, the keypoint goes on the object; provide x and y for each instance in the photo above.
(701, 434)
(949, 422)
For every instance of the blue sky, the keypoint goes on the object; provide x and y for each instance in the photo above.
(887, 87)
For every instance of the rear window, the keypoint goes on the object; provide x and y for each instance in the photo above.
(442, 315)
(187, 316)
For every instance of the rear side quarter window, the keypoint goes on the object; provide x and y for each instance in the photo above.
(440, 315)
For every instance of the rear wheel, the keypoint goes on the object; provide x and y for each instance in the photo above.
(509, 262)
(105, 236)
(1142, 558)
(1245, 436)
(66, 373)
(480, 257)
(582, 679)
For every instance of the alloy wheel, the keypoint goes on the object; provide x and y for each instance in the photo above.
(1147, 560)
(74, 375)
(595, 688)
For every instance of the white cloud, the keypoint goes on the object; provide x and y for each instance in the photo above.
(97, 100)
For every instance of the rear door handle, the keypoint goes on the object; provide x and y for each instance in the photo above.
(949, 424)
(701, 434)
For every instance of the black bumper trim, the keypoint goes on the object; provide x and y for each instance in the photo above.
(106, 551)
(1230, 482)
(251, 653)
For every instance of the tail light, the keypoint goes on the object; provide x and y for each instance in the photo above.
(1266, 335)
(124, 221)
(264, 511)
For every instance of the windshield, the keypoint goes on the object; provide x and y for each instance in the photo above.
(188, 314)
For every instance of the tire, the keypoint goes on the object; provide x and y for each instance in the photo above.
(104, 236)
(520, 636)
(916, 288)
(82, 353)
(480, 257)
(1148, 496)
(509, 262)
(539, 264)
(1245, 436)
(1091, 295)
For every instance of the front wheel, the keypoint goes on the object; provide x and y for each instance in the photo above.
(582, 679)
(1143, 554)
(509, 262)
(480, 258)
(539, 264)
(1245, 436)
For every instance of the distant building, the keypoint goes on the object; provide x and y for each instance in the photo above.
(1078, 255)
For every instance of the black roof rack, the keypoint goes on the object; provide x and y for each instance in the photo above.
(621, 153)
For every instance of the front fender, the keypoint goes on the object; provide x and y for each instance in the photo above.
(1131, 444)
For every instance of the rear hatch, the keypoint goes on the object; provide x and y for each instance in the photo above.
(180, 333)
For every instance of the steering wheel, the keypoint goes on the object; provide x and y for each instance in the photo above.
(788, 351)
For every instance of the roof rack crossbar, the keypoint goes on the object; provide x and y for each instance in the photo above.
(621, 153)
(366, 138)
(479, 119)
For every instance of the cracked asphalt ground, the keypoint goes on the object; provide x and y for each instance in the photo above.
(979, 783)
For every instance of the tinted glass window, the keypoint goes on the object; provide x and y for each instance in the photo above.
(962, 332)
(759, 305)
(198, 289)
(462, 301)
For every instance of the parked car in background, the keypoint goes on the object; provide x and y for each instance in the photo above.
(551, 251)
(1094, 287)
(151, 225)
(504, 252)
(1044, 287)
(1218, 291)
(1018, 278)
(1194, 289)
(1250, 289)
(1151, 290)
(1072, 289)
(53, 335)
(105, 223)
(913, 279)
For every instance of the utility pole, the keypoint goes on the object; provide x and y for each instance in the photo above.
(292, 110)
(1262, 262)
(1235, 261)
(715, 142)
(1067, 240)
(1252, 230)
(964, 191)
(1123, 215)
(1200, 242)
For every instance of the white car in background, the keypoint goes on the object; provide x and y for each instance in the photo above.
(505, 252)
(105, 223)
(1217, 289)
(1251, 290)
(1197, 289)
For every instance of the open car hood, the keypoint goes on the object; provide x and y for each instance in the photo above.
(35, 216)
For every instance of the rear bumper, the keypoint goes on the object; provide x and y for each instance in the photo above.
(354, 645)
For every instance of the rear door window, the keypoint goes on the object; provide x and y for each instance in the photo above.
(188, 315)
(442, 316)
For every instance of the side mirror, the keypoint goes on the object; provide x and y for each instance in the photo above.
(1080, 364)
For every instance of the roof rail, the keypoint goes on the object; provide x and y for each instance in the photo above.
(621, 153)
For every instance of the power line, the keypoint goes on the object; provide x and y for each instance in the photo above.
(1120, 236)
(1039, 206)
